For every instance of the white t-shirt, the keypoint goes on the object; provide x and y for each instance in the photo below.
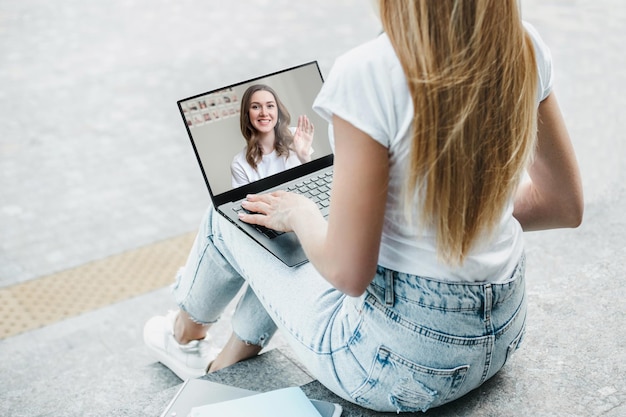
(242, 173)
(367, 87)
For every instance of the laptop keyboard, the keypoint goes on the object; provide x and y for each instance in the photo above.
(316, 188)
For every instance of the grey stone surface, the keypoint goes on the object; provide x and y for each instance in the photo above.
(94, 160)
(269, 371)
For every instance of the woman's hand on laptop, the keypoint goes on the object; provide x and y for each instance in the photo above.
(279, 210)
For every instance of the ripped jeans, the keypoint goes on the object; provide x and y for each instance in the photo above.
(407, 344)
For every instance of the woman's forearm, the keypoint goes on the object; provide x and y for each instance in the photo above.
(553, 196)
(535, 211)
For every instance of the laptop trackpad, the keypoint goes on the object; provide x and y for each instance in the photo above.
(288, 248)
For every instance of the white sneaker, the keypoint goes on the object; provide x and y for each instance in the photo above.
(186, 361)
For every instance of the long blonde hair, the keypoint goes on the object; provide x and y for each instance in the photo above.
(471, 71)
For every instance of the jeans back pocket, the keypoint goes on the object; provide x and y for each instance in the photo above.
(397, 384)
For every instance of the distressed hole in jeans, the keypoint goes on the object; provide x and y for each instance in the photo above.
(411, 395)
(397, 384)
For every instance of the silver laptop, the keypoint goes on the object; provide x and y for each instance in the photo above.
(212, 120)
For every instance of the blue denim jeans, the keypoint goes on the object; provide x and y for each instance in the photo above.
(407, 344)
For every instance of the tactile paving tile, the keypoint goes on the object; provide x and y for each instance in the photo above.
(58, 296)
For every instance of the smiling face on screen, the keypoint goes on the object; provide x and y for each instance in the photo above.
(263, 112)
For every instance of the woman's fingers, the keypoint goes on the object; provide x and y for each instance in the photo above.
(268, 209)
(256, 204)
(305, 125)
(263, 203)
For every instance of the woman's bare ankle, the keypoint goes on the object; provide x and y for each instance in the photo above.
(234, 351)
(187, 330)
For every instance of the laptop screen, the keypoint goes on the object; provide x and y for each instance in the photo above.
(213, 120)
